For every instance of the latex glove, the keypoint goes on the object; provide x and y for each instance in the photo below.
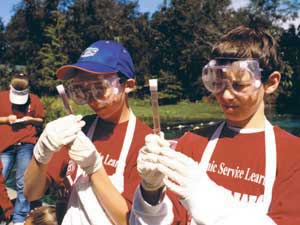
(205, 201)
(56, 134)
(152, 179)
(85, 154)
(179, 168)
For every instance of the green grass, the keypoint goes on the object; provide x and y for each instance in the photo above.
(183, 112)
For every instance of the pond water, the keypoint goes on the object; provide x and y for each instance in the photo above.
(287, 122)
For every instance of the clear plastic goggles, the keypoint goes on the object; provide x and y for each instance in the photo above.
(241, 76)
(103, 90)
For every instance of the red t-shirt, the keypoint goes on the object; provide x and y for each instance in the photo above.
(108, 139)
(238, 164)
(19, 132)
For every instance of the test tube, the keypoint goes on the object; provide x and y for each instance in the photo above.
(154, 99)
(61, 91)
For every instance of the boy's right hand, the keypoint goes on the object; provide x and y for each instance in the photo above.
(152, 178)
(56, 134)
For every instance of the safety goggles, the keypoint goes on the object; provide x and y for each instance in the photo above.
(241, 76)
(103, 90)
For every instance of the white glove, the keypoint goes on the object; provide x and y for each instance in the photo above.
(205, 201)
(56, 134)
(85, 154)
(152, 179)
(179, 168)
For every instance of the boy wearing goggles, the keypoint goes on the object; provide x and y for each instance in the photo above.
(240, 171)
(104, 89)
(94, 167)
(241, 76)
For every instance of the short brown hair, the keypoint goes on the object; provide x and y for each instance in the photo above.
(44, 215)
(255, 43)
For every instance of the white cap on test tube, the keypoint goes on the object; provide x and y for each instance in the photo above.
(60, 88)
(153, 84)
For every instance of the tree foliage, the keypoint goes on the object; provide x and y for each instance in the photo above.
(289, 43)
(2, 41)
(173, 44)
(49, 57)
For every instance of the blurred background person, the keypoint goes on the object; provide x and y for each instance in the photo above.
(21, 114)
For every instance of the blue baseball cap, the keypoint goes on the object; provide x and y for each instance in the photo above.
(102, 57)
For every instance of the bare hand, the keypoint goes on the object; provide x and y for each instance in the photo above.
(11, 119)
(27, 118)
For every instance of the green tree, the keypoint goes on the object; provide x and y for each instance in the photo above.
(24, 32)
(289, 100)
(184, 33)
(49, 57)
(89, 21)
(173, 44)
(170, 88)
(275, 10)
(2, 41)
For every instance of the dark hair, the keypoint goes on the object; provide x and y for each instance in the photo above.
(44, 215)
(21, 76)
(20, 81)
(122, 77)
(255, 43)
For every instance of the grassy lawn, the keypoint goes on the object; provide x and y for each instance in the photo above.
(183, 112)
